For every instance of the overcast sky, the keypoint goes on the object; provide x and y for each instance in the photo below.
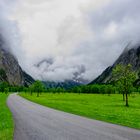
(75, 38)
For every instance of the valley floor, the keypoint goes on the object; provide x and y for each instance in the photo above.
(36, 122)
(96, 106)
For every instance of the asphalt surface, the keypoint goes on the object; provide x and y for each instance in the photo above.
(36, 122)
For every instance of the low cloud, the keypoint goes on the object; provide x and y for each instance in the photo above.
(72, 39)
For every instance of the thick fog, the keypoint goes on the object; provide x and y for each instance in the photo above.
(68, 39)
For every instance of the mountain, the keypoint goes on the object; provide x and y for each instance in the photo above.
(68, 84)
(10, 71)
(27, 79)
(129, 56)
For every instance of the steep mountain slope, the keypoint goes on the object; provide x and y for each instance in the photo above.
(10, 71)
(129, 56)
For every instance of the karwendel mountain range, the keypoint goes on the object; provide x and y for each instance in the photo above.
(11, 72)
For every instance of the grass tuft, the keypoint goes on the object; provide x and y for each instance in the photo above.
(6, 122)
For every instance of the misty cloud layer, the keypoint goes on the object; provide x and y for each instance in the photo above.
(61, 40)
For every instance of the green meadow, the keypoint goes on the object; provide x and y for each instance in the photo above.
(6, 121)
(95, 106)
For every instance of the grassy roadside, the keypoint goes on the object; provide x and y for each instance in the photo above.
(100, 107)
(6, 122)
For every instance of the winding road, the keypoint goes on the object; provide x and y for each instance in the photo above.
(36, 122)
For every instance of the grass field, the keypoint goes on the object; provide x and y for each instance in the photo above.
(100, 107)
(6, 122)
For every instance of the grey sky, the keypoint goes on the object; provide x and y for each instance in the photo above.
(80, 37)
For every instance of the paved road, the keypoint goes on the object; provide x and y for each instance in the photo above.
(35, 122)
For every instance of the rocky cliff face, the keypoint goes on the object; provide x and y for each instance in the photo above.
(129, 56)
(10, 71)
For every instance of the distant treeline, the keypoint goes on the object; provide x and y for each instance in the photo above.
(5, 87)
(104, 89)
(39, 87)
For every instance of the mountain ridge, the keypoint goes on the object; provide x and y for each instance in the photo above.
(67, 84)
(128, 56)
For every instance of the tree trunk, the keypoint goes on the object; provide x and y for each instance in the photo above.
(37, 94)
(127, 100)
(123, 97)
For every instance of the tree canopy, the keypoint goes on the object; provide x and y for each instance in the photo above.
(124, 77)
